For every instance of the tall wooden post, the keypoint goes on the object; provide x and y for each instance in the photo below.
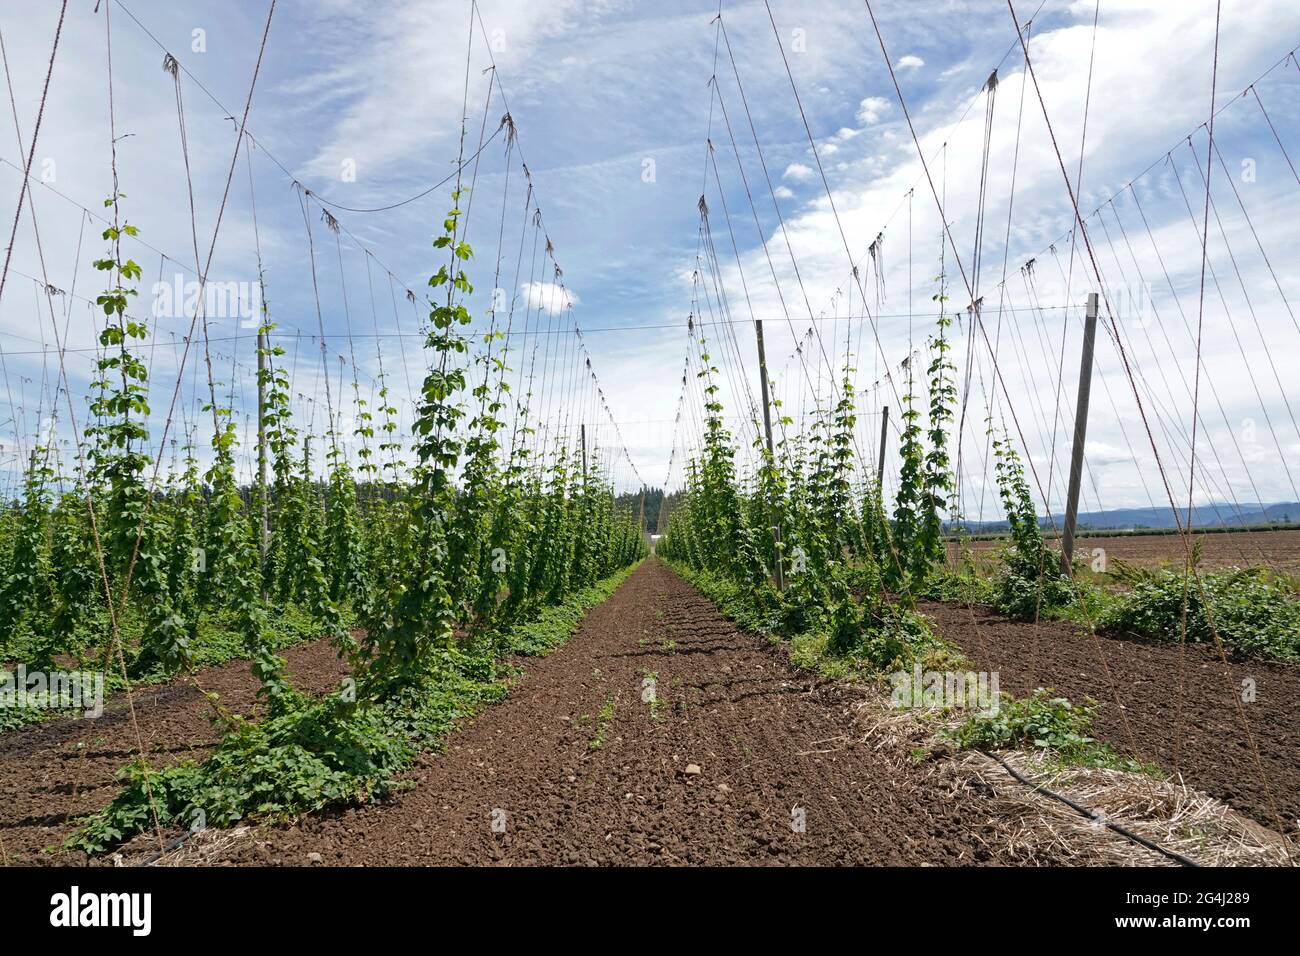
(640, 518)
(771, 447)
(1080, 434)
(884, 437)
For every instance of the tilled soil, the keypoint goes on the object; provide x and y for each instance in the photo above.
(1278, 550)
(740, 761)
(1206, 740)
(58, 771)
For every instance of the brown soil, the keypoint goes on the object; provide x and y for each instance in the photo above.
(765, 741)
(581, 769)
(1279, 550)
(1206, 740)
(58, 771)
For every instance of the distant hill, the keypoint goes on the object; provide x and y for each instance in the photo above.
(1216, 515)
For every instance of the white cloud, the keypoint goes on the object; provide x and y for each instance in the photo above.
(623, 241)
(381, 125)
(550, 296)
(1102, 453)
(871, 109)
(910, 62)
(869, 198)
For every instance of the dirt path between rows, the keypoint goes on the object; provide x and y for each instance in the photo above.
(1145, 677)
(55, 772)
(772, 747)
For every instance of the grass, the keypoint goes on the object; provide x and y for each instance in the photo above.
(1254, 611)
(556, 623)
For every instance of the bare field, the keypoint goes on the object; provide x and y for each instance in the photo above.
(1279, 550)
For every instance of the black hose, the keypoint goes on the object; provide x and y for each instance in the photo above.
(155, 857)
(1093, 815)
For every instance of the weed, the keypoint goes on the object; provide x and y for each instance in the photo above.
(1251, 612)
(1047, 723)
(603, 720)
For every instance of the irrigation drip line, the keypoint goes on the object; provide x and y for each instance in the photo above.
(157, 855)
(1093, 815)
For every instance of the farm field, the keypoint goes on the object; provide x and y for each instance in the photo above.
(663, 734)
(1171, 706)
(726, 703)
(484, 435)
(581, 766)
(584, 771)
(1277, 550)
(57, 772)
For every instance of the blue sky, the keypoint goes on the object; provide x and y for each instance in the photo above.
(612, 102)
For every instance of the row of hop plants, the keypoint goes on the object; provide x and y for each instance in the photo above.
(405, 566)
(486, 530)
(853, 565)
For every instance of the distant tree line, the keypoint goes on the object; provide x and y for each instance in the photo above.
(658, 506)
